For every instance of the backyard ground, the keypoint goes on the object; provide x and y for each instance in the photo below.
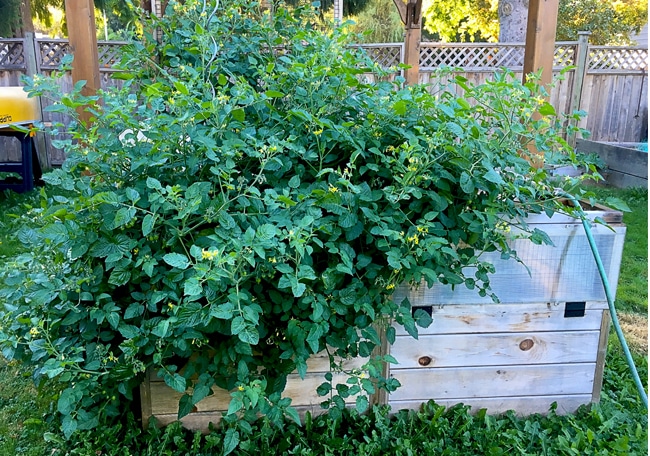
(618, 425)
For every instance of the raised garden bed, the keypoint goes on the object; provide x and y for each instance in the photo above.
(545, 341)
(627, 164)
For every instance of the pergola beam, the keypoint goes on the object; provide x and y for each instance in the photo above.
(80, 17)
(411, 15)
(540, 39)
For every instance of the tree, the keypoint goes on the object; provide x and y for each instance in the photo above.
(610, 21)
(378, 23)
(513, 20)
(462, 20)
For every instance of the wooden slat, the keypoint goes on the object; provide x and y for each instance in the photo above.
(499, 318)
(601, 355)
(491, 382)
(161, 399)
(499, 349)
(522, 405)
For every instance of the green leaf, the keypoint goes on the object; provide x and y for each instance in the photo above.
(236, 404)
(547, 109)
(230, 441)
(348, 220)
(249, 335)
(222, 311)
(192, 287)
(68, 426)
(292, 414)
(294, 182)
(494, 177)
(361, 403)
(177, 260)
(238, 114)
(132, 194)
(422, 318)
(314, 336)
(68, 400)
(237, 325)
(400, 107)
(113, 319)
(153, 183)
(185, 406)
(148, 223)
(466, 182)
(182, 88)
(273, 94)
(175, 382)
(201, 391)
(298, 289)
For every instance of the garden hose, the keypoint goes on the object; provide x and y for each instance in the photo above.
(610, 301)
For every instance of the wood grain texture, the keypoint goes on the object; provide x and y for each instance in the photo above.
(521, 405)
(500, 318)
(494, 381)
(498, 349)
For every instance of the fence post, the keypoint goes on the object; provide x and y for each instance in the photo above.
(582, 55)
(30, 49)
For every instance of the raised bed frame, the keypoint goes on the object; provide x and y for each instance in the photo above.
(544, 343)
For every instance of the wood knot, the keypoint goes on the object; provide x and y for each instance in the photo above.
(526, 344)
(424, 360)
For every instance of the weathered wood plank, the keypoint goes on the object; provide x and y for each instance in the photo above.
(601, 355)
(160, 399)
(498, 349)
(522, 405)
(492, 382)
(501, 318)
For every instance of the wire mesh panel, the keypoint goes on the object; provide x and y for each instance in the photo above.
(12, 55)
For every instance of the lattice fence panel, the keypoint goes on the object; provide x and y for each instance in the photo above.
(109, 53)
(384, 56)
(610, 58)
(565, 55)
(52, 52)
(12, 55)
(488, 56)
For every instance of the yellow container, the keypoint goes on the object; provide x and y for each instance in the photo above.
(16, 108)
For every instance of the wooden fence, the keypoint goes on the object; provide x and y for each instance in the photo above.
(609, 83)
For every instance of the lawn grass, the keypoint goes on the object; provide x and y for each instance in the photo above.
(617, 425)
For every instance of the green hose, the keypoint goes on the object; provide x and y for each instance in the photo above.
(610, 301)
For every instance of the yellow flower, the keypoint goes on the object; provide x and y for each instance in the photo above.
(414, 239)
(209, 254)
(333, 189)
(240, 388)
(390, 286)
(318, 132)
(34, 331)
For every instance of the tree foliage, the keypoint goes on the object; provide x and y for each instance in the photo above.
(378, 23)
(610, 21)
(462, 20)
(9, 17)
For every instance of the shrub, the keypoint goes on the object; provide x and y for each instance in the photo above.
(248, 199)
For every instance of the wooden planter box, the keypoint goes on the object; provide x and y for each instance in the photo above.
(544, 342)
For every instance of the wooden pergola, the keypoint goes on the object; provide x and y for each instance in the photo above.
(540, 40)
